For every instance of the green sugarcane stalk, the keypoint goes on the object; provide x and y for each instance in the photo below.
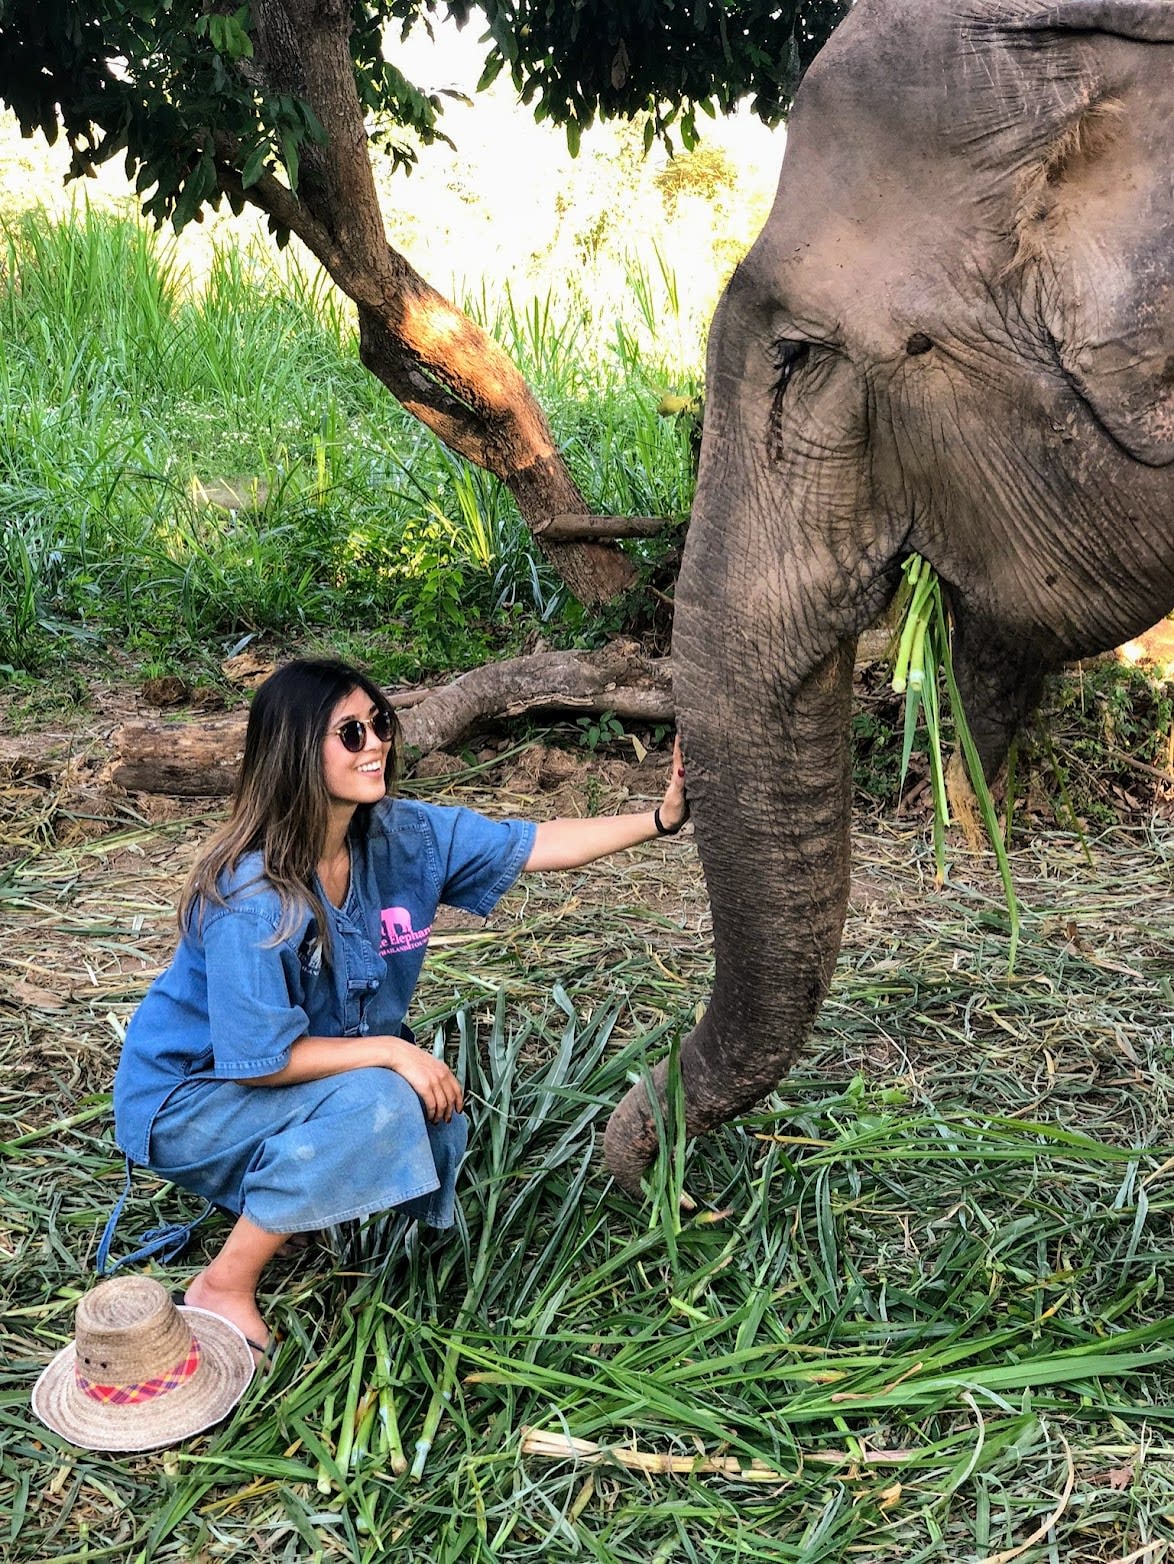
(916, 676)
(441, 1398)
(920, 581)
(986, 806)
(346, 1434)
(937, 772)
(365, 1414)
(391, 1443)
(7, 1147)
(325, 1483)
(926, 629)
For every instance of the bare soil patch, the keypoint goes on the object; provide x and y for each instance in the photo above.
(91, 875)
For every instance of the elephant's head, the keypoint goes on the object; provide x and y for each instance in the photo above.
(954, 337)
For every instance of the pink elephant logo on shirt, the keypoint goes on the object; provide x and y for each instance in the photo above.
(398, 933)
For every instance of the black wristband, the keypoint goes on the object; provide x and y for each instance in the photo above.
(665, 830)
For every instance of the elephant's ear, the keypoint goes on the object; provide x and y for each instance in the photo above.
(1095, 219)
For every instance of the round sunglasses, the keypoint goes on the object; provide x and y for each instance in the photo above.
(352, 734)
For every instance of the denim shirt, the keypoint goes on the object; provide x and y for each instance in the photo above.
(235, 999)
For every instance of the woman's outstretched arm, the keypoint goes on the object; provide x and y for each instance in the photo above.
(569, 843)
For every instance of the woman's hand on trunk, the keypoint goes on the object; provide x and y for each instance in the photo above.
(568, 844)
(674, 806)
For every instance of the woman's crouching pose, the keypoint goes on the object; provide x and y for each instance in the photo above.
(270, 1068)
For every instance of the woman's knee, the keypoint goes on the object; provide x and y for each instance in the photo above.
(372, 1102)
(448, 1140)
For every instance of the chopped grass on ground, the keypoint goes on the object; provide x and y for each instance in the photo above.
(918, 1310)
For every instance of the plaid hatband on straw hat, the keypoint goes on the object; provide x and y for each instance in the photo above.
(142, 1372)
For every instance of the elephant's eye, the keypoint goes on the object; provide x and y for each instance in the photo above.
(788, 356)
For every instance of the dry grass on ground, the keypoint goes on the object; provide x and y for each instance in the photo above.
(927, 1288)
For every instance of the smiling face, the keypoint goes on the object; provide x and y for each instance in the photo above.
(359, 777)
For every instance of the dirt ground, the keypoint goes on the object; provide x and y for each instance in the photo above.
(90, 875)
(929, 1064)
(89, 878)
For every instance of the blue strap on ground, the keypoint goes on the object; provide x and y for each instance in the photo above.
(163, 1243)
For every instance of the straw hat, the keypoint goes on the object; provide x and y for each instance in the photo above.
(142, 1372)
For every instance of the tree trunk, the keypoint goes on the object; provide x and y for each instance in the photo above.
(199, 758)
(443, 367)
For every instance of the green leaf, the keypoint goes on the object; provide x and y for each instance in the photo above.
(490, 72)
(289, 156)
(311, 123)
(255, 164)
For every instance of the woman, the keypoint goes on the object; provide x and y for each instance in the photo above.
(269, 1068)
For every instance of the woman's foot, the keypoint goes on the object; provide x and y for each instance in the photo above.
(296, 1242)
(239, 1308)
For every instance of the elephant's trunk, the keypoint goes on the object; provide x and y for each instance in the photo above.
(772, 802)
(629, 1142)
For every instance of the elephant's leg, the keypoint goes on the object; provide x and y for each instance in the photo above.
(999, 680)
(778, 785)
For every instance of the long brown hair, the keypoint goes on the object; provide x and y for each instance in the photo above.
(280, 806)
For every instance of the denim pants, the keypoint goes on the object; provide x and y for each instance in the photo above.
(297, 1158)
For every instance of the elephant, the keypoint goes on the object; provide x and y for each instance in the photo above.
(954, 337)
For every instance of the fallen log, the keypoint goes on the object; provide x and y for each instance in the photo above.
(198, 757)
(617, 678)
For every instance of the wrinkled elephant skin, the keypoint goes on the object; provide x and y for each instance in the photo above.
(954, 337)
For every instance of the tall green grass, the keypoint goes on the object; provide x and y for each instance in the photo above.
(123, 385)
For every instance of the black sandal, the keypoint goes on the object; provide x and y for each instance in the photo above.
(266, 1353)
